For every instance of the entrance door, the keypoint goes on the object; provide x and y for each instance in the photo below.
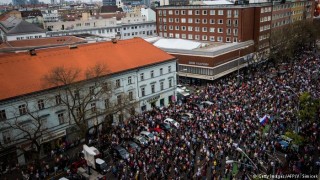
(161, 102)
(153, 104)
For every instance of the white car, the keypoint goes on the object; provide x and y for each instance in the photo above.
(172, 122)
(147, 135)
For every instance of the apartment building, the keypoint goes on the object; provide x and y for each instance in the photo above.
(146, 74)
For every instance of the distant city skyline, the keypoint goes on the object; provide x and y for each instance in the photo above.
(45, 1)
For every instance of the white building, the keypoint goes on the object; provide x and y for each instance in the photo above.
(145, 73)
(149, 14)
(50, 15)
(12, 28)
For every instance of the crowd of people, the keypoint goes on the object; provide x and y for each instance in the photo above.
(227, 130)
(230, 129)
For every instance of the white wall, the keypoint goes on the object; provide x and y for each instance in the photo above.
(149, 14)
(25, 36)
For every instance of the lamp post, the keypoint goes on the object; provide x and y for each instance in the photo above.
(240, 150)
(297, 121)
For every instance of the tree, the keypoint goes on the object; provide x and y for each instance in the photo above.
(27, 132)
(81, 97)
(309, 108)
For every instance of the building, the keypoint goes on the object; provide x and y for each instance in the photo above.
(202, 62)
(149, 14)
(109, 2)
(178, 2)
(19, 2)
(281, 15)
(12, 28)
(26, 44)
(50, 15)
(145, 73)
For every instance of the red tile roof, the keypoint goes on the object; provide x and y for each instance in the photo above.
(22, 73)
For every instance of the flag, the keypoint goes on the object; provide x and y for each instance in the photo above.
(263, 120)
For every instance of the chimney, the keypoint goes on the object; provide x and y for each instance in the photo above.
(114, 40)
(32, 52)
(73, 47)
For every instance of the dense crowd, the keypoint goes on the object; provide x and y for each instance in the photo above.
(201, 146)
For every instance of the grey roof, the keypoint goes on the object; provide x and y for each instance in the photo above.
(14, 25)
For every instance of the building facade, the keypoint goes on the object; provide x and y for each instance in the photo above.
(109, 3)
(147, 75)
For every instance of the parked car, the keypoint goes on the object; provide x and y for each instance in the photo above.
(120, 152)
(140, 141)
(166, 127)
(149, 136)
(172, 122)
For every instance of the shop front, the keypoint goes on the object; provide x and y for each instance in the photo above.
(53, 140)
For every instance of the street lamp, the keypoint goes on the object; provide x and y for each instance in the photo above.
(240, 150)
(297, 121)
(233, 161)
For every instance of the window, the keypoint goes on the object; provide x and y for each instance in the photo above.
(161, 71)
(61, 118)
(197, 21)
(160, 13)
(235, 22)
(58, 99)
(204, 12)
(183, 12)
(151, 74)
(229, 13)
(152, 88)
(170, 12)
(211, 38)
(183, 20)
(204, 29)
(228, 22)
(212, 30)
(93, 107)
(170, 27)
(76, 94)
(177, 20)
(197, 29)
(220, 21)
(78, 112)
(177, 27)
(107, 103)
(190, 36)
(204, 21)
(130, 95)
(176, 12)
(183, 28)
(204, 37)
(211, 21)
(219, 39)
(170, 83)
(41, 104)
(183, 36)
(212, 12)
(228, 39)
(189, 12)
(6, 136)
(235, 32)
(91, 90)
(161, 85)
(3, 115)
(220, 30)
(197, 37)
(129, 80)
(169, 69)
(119, 99)
(120, 117)
(220, 12)
(170, 19)
(141, 76)
(228, 31)
(23, 109)
(143, 92)
(190, 28)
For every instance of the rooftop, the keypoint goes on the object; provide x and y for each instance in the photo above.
(13, 25)
(41, 42)
(22, 74)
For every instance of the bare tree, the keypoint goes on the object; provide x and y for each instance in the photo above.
(27, 132)
(80, 96)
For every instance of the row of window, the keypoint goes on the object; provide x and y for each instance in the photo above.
(280, 23)
(265, 27)
(265, 9)
(282, 15)
(203, 29)
(198, 21)
(264, 36)
(265, 19)
(28, 37)
(140, 33)
(138, 27)
(199, 12)
(199, 37)
(153, 87)
(152, 73)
